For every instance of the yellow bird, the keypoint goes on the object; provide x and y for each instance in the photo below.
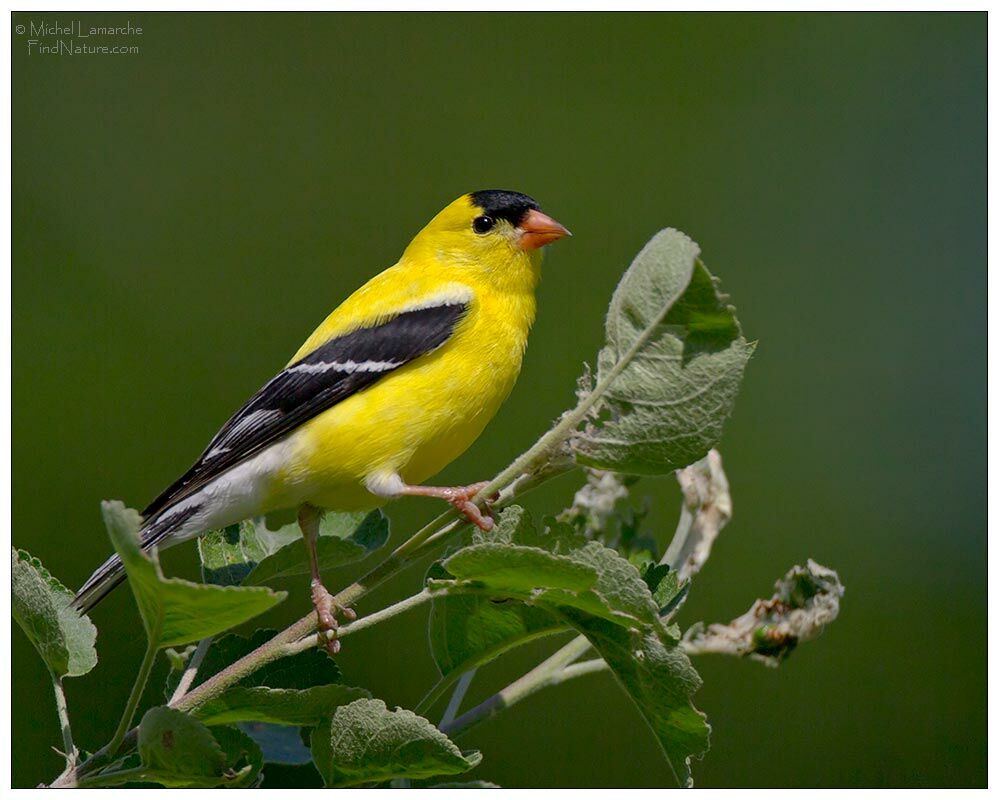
(394, 385)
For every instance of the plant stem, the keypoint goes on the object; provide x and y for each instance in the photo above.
(364, 622)
(545, 674)
(69, 749)
(191, 670)
(471, 664)
(557, 669)
(456, 697)
(581, 668)
(133, 699)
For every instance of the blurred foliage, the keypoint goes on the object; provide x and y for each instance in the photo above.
(182, 218)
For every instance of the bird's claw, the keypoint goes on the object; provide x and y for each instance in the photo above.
(326, 610)
(461, 498)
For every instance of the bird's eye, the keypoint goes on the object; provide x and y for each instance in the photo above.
(483, 224)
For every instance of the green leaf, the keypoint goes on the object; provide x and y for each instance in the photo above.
(303, 670)
(518, 570)
(178, 751)
(469, 630)
(251, 553)
(659, 678)
(551, 569)
(343, 539)
(663, 582)
(302, 707)
(42, 606)
(292, 560)
(364, 742)
(228, 555)
(243, 757)
(174, 611)
(681, 356)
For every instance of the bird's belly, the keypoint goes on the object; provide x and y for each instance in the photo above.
(413, 422)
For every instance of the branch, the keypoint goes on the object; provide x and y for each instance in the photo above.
(362, 623)
(70, 751)
(456, 697)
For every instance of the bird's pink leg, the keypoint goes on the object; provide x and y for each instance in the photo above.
(325, 604)
(458, 496)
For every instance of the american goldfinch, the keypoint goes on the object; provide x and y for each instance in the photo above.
(393, 385)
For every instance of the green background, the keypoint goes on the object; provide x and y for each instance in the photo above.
(183, 217)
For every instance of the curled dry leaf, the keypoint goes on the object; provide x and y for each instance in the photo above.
(805, 601)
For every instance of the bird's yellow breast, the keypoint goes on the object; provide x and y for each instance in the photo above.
(420, 417)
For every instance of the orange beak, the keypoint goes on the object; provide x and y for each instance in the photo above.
(537, 230)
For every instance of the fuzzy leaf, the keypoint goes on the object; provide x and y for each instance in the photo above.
(551, 569)
(364, 742)
(518, 570)
(301, 707)
(178, 751)
(42, 606)
(660, 679)
(681, 354)
(469, 630)
(174, 611)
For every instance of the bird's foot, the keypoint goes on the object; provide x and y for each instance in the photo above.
(461, 498)
(458, 496)
(326, 610)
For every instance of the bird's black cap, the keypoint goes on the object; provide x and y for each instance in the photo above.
(501, 204)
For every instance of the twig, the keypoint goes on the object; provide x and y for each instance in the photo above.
(69, 749)
(362, 623)
(456, 697)
(545, 674)
(541, 677)
(191, 670)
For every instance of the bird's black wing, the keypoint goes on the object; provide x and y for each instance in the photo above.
(332, 372)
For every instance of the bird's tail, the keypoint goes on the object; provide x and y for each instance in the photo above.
(155, 532)
(99, 585)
